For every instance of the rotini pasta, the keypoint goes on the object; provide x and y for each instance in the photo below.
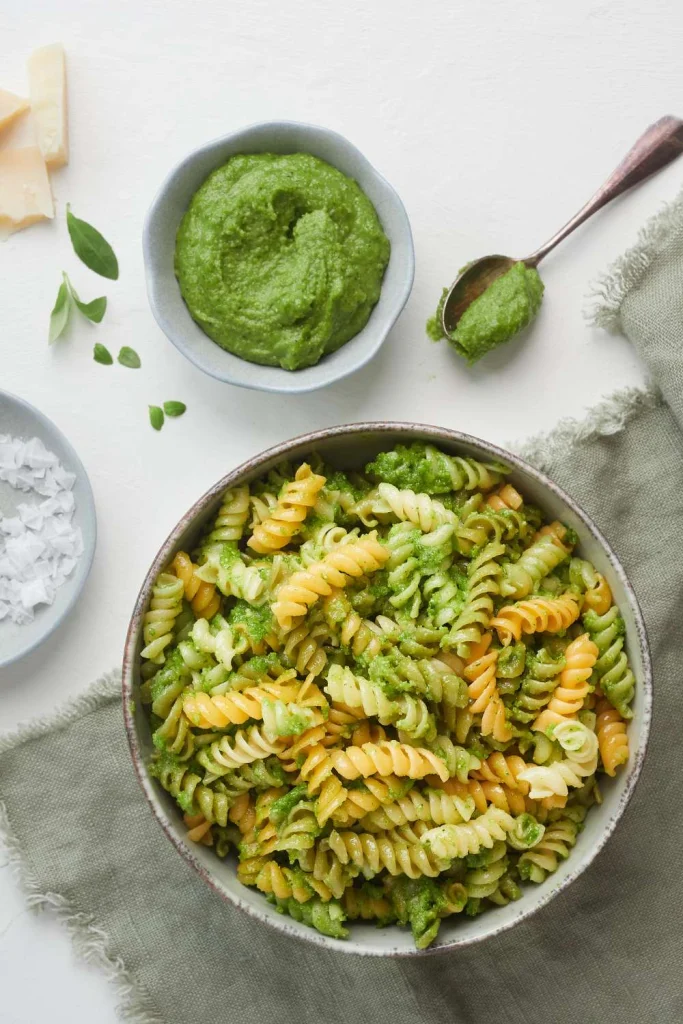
(447, 842)
(612, 738)
(298, 496)
(572, 687)
(165, 607)
(295, 596)
(544, 555)
(538, 615)
(378, 695)
(202, 596)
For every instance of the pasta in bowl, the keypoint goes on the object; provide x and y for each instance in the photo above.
(390, 675)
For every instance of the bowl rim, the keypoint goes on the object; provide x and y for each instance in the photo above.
(299, 383)
(248, 468)
(90, 512)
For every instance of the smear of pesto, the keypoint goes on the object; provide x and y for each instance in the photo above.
(503, 310)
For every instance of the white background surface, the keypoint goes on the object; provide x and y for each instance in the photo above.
(494, 121)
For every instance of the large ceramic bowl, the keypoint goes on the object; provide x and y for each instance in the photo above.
(352, 446)
(172, 201)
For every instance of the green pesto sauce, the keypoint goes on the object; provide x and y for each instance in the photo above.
(503, 310)
(258, 622)
(407, 466)
(280, 259)
(280, 808)
(420, 903)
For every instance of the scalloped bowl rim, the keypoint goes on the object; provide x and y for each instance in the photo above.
(240, 372)
(486, 925)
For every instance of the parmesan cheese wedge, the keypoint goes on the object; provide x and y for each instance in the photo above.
(25, 195)
(10, 107)
(47, 83)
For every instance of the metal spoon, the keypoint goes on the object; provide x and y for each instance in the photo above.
(657, 147)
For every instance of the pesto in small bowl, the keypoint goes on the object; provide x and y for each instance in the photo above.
(280, 258)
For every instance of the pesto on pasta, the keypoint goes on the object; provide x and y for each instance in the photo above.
(391, 693)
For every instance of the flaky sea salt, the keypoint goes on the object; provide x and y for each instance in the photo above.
(39, 545)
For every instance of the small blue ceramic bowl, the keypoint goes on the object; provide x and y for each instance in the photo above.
(170, 204)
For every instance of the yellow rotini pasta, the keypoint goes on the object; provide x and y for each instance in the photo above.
(297, 498)
(296, 595)
(537, 615)
(202, 596)
(612, 737)
(387, 758)
(483, 693)
(572, 687)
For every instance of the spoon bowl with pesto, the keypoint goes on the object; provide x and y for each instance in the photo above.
(495, 297)
(277, 258)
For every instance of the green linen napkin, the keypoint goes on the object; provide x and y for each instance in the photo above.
(609, 949)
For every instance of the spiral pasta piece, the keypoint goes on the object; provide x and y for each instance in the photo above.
(430, 805)
(202, 596)
(539, 559)
(560, 836)
(483, 793)
(572, 688)
(612, 669)
(303, 588)
(483, 586)
(555, 779)
(359, 904)
(423, 511)
(612, 738)
(331, 797)
(395, 851)
(448, 842)
(298, 496)
(192, 795)
(387, 758)
(245, 746)
(465, 474)
(504, 769)
(232, 515)
(538, 615)
(409, 714)
(505, 497)
(164, 608)
(233, 708)
(483, 693)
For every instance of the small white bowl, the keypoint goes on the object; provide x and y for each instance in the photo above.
(159, 238)
(350, 447)
(19, 419)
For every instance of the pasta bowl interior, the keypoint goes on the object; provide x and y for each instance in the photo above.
(425, 746)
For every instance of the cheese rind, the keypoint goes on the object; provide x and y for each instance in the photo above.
(11, 106)
(25, 195)
(47, 82)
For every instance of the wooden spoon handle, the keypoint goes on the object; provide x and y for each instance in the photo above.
(661, 143)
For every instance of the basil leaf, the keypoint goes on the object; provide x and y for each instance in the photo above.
(59, 317)
(156, 417)
(101, 354)
(129, 357)
(94, 310)
(91, 247)
(174, 408)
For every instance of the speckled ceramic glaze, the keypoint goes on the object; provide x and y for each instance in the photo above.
(172, 201)
(19, 419)
(351, 447)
